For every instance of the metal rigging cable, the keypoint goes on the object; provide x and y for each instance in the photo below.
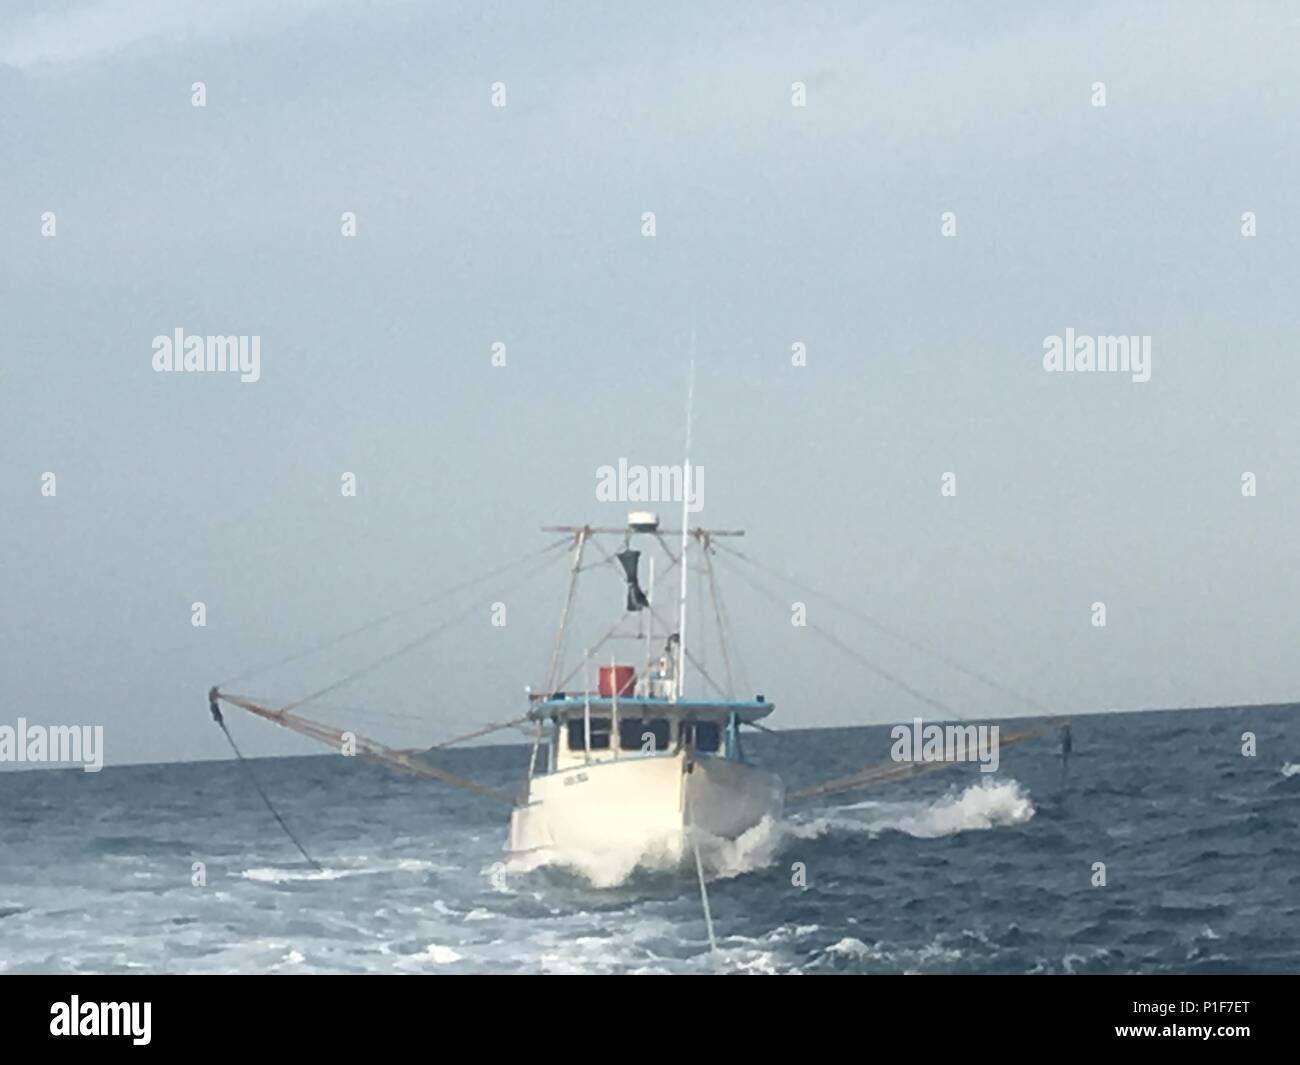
(399, 612)
(880, 626)
(405, 648)
(857, 655)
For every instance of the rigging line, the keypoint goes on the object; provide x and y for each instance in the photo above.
(553, 665)
(421, 720)
(880, 626)
(862, 659)
(405, 648)
(606, 557)
(485, 730)
(400, 611)
(610, 633)
(564, 681)
(252, 779)
(696, 662)
(358, 711)
(372, 750)
(741, 669)
(717, 615)
(668, 628)
(667, 550)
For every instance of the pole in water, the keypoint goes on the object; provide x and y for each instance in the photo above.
(1067, 745)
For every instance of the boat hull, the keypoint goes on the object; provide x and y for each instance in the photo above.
(646, 805)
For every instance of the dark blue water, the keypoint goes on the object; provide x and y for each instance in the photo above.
(950, 872)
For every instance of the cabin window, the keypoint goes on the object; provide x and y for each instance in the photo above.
(632, 734)
(599, 734)
(706, 737)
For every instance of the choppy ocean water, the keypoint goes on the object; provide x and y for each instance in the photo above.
(955, 871)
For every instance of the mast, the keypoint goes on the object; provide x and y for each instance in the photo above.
(680, 689)
(650, 625)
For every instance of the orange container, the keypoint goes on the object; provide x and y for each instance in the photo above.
(618, 679)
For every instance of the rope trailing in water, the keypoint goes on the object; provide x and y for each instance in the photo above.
(699, 873)
(221, 721)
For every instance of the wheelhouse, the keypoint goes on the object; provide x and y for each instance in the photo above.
(579, 730)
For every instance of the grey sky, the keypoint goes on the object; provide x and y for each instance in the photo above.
(522, 224)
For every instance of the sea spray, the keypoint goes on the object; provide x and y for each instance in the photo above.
(989, 804)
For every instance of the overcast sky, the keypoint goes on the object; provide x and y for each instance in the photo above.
(775, 224)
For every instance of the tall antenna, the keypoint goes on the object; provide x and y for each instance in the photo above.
(686, 515)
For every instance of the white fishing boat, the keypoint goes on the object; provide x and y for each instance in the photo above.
(635, 762)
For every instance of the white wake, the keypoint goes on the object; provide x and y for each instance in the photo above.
(979, 807)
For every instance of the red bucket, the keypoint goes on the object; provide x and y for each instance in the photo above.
(616, 679)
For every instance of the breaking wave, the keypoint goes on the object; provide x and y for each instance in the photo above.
(1290, 769)
(988, 804)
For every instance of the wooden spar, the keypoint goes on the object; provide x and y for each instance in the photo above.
(365, 747)
(884, 771)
